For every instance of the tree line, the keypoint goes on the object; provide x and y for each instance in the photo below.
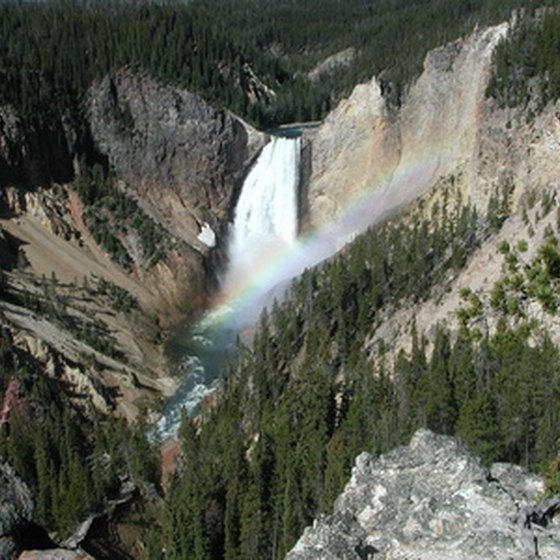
(391, 37)
(526, 64)
(111, 216)
(52, 51)
(72, 458)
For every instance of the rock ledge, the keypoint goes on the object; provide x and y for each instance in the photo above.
(434, 500)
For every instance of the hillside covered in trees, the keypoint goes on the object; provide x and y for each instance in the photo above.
(300, 403)
(250, 56)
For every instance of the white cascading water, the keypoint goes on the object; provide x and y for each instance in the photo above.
(266, 215)
(265, 222)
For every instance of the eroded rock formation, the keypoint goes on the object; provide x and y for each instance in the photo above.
(183, 160)
(366, 146)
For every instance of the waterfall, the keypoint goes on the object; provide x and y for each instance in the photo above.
(266, 215)
(265, 222)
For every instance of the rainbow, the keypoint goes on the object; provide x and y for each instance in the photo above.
(248, 295)
(245, 296)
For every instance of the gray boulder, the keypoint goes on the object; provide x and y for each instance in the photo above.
(9, 549)
(433, 500)
(16, 503)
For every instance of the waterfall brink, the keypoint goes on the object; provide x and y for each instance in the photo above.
(266, 216)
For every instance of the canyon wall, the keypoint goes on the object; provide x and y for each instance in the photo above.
(447, 132)
(365, 146)
(181, 159)
(183, 164)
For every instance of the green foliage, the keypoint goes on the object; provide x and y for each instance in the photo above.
(216, 47)
(306, 397)
(552, 477)
(472, 311)
(300, 449)
(499, 209)
(522, 246)
(391, 38)
(526, 65)
(53, 304)
(46, 74)
(111, 215)
(537, 280)
(72, 464)
(121, 300)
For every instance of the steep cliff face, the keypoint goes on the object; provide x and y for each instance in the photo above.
(434, 500)
(365, 146)
(447, 130)
(357, 145)
(182, 163)
(31, 154)
(183, 160)
(50, 261)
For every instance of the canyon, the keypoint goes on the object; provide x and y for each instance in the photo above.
(185, 165)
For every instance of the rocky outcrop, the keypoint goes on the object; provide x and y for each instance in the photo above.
(364, 146)
(8, 548)
(516, 146)
(183, 162)
(16, 503)
(181, 159)
(16, 527)
(55, 554)
(332, 63)
(16, 510)
(253, 87)
(434, 500)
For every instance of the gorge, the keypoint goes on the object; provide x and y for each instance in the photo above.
(392, 266)
(420, 300)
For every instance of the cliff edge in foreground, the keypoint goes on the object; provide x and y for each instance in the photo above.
(433, 500)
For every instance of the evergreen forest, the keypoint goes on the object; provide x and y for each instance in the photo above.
(74, 466)
(526, 69)
(51, 51)
(75, 459)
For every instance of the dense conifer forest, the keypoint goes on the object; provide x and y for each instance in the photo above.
(526, 63)
(51, 51)
(391, 38)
